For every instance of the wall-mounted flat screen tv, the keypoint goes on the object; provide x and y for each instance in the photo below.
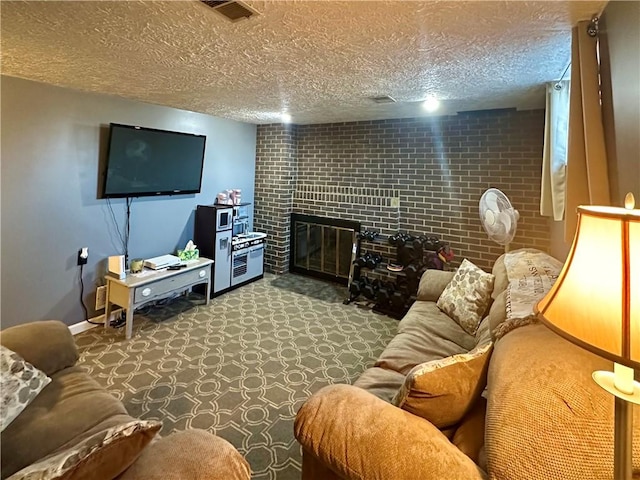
(146, 161)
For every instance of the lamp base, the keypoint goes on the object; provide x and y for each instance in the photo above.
(606, 380)
(623, 428)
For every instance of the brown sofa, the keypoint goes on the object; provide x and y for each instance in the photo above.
(74, 406)
(544, 418)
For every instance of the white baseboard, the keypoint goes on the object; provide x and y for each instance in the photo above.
(98, 320)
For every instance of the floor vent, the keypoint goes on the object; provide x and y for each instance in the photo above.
(383, 99)
(232, 11)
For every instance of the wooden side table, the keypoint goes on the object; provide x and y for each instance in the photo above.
(137, 289)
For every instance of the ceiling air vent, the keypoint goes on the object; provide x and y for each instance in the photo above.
(232, 11)
(383, 99)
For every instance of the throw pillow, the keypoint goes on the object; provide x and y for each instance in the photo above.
(20, 383)
(467, 296)
(442, 391)
(105, 454)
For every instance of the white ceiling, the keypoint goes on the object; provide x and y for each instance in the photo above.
(319, 60)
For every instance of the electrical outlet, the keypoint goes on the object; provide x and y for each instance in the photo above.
(101, 297)
(395, 201)
(83, 255)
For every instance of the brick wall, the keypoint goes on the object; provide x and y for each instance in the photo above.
(273, 194)
(436, 169)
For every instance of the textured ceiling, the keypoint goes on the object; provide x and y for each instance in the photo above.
(319, 60)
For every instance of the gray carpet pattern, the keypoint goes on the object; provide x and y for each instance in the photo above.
(242, 366)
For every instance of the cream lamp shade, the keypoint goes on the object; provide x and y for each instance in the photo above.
(595, 302)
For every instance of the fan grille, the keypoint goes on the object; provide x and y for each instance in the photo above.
(497, 216)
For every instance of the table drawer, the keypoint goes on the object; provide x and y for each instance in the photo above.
(173, 283)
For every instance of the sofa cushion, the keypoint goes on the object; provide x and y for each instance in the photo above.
(498, 312)
(483, 335)
(467, 296)
(501, 281)
(469, 436)
(20, 383)
(56, 353)
(443, 391)
(380, 382)
(546, 417)
(72, 405)
(424, 334)
(358, 436)
(189, 455)
(105, 454)
(432, 284)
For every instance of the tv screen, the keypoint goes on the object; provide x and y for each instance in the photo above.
(145, 161)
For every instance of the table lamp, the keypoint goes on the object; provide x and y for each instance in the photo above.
(595, 303)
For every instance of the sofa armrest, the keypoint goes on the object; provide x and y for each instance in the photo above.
(190, 454)
(47, 345)
(359, 436)
(432, 284)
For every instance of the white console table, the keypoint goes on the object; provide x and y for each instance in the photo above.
(137, 289)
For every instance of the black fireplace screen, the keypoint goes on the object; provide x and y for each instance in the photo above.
(321, 246)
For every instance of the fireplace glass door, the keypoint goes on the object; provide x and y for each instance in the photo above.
(322, 246)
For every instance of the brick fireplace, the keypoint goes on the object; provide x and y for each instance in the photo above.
(421, 175)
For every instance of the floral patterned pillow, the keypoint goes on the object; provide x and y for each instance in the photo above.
(467, 296)
(20, 383)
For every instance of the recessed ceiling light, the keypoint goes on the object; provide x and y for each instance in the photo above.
(431, 104)
(285, 117)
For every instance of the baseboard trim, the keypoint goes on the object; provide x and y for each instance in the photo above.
(98, 320)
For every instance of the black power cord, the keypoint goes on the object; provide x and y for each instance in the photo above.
(127, 230)
(123, 236)
(124, 239)
(115, 222)
(119, 322)
(84, 307)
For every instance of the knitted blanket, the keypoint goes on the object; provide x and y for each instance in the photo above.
(531, 275)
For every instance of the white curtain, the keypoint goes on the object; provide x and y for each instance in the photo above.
(554, 160)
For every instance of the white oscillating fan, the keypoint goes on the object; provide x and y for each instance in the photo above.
(498, 217)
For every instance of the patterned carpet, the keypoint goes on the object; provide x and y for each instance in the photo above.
(242, 366)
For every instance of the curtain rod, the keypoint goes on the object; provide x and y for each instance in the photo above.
(592, 30)
(557, 85)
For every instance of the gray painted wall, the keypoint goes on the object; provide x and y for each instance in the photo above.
(51, 143)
